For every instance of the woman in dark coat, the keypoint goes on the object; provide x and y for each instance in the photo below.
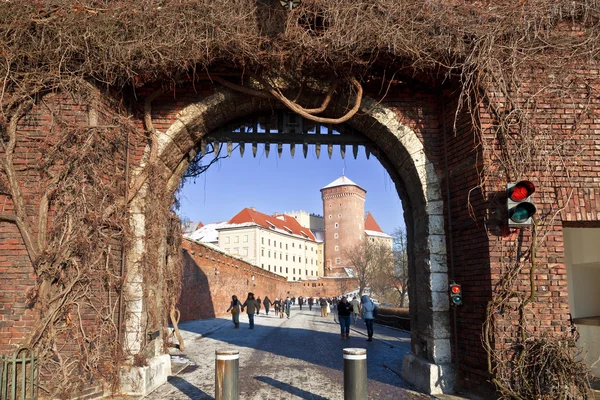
(234, 307)
(344, 310)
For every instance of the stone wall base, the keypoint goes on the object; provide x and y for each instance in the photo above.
(428, 377)
(139, 381)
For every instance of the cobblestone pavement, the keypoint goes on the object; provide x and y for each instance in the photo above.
(296, 358)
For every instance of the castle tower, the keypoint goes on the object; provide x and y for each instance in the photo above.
(343, 213)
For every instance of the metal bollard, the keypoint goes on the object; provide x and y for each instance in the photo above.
(227, 364)
(355, 374)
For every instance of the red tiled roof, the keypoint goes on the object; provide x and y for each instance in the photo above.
(371, 224)
(288, 224)
(200, 225)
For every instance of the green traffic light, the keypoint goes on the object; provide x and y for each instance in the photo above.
(457, 300)
(521, 212)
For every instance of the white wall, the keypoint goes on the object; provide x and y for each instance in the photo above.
(582, 258)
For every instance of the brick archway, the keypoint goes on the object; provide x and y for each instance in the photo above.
(402, 153)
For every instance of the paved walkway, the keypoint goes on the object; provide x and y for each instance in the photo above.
(296, 358)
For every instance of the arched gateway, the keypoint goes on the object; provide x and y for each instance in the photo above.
(402, 153)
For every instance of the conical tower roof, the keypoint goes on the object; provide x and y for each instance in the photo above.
(341, 181)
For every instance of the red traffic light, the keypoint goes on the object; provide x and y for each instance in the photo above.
(456, 294)
(521, 191)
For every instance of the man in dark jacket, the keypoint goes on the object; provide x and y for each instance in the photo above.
(267, 303)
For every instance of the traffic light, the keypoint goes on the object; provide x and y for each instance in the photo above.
(519, 205)
(456, 294)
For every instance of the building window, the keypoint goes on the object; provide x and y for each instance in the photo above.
(269, 268)
(227, 240)
(262, 266)
(275, 254)
(245, 238)
(269, 242)
(269, 253)
(337, 248)
(262, 252)
(293, 244)
(335, 235)
(275, 243)
(339, 215)
(280, 269)
(280, 255)
(286, 246)
(337, 225)
(286, 257)
(236, 239)
(245, 251)
(299, 259)
(294, 258)
(337, 260)
(330, 217)
(330, 206)
(263, 240)
(294, 271)
(280, 245)
(286, 270)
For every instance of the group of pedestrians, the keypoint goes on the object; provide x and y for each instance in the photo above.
(347, 312)
(253, 305)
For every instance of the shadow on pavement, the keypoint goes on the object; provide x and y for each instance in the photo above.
(303, 394)
(318, 346)
(188, 389)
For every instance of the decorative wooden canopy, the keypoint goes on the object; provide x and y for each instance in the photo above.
(285, 127)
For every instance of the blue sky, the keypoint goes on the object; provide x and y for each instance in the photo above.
(276, 184)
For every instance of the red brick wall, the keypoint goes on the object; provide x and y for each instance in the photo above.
(211, 277)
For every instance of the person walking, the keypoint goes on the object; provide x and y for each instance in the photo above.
(344, 310)
(323, 304)
(259, 303)
(250, 306)
(234, 307)
(355, 309)
(267, 303)
(334, 311)
(310, 303)
(300, 302)
(277, 306)
(368, 314)
(287, 304)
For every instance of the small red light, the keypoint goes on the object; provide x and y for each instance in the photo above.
(455, 289)
(521, 191)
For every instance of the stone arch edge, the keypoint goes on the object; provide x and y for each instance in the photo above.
(432, 370)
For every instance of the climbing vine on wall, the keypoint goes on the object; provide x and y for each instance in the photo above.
(500, 55)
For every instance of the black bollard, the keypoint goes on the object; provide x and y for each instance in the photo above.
(355, 374)
(227, 364)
